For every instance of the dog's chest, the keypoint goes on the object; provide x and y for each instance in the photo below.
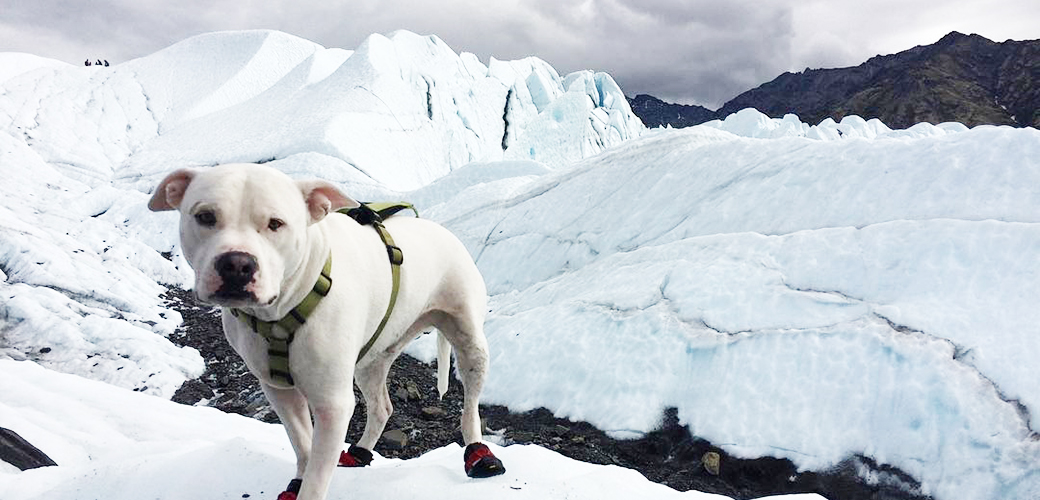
(251, 347)
(313, 354)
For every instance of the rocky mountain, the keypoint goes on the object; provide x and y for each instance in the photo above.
(657, 113)
(963, 78)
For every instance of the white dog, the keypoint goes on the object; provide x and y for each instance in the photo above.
(258, 242)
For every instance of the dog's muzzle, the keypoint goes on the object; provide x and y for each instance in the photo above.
(236, 271)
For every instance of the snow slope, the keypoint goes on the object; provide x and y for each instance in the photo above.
(811, 292)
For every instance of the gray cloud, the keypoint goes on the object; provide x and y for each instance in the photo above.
(692, 51)
(701, 51)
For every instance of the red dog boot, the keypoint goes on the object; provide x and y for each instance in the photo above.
(480, 462)
(355, 456)
(292, 490)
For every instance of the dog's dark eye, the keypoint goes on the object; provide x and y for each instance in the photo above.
(275, 224)
(206, 218)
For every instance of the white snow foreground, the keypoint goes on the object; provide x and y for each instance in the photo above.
(79, 147)
(114, 444)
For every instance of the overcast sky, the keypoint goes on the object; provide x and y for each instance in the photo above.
(689, 51)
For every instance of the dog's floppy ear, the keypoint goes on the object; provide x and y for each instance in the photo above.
(323, 198)
(170, 193)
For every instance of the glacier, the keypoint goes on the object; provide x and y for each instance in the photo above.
(809, 292)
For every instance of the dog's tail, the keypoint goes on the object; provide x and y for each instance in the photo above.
(443, 364)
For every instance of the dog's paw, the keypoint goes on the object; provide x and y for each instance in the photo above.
(480, 462)
(355, 456)
(291, 491)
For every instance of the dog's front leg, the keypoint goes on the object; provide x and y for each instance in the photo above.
(331, 420)
(292, 410)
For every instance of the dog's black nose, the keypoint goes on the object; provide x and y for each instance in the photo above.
(236, 269)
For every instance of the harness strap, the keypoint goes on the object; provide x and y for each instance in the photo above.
(278, 347)
(396, 259)
(374, 214)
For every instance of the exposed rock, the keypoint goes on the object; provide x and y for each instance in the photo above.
(20, 453)
(413, 391)
(433, 412)
(712, 462)
(395, 439)
(657, 113)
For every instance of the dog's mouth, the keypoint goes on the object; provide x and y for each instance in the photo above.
(237, 298)
(231, 298)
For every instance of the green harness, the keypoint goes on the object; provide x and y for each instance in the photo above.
(368, 214)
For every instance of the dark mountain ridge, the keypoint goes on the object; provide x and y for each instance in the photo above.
(961, 78)
(657, 113)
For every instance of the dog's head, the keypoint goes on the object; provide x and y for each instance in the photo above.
(244, 227)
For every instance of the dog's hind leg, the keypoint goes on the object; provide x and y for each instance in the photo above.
(371, 379)
(466, 334)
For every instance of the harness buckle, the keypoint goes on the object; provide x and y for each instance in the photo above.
(395, 254)
(364, 215)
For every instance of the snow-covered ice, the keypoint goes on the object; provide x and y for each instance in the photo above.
(811, 292)
(792, 297)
